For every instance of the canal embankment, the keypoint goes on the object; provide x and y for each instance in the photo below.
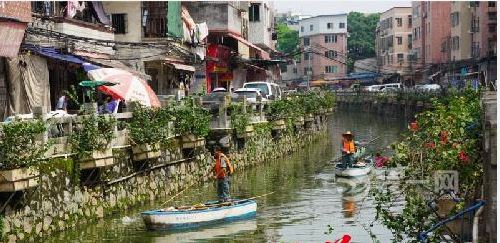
(78, 183)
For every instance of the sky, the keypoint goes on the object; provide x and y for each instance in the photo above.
(317, 7)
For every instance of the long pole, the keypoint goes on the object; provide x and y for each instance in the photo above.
(309, 69)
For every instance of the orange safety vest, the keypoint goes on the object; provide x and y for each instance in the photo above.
(220, 173)
(348, 146)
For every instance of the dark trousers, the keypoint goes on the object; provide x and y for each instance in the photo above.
(346, 160)
(223, 189)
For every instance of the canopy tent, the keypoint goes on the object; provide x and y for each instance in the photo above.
(128, 86)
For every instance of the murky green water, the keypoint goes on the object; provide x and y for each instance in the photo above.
(307, 198)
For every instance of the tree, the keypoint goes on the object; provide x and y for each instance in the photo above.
(361, 41)
(288, 39)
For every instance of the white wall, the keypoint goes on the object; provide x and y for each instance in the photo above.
(320, 25)
(133, 19)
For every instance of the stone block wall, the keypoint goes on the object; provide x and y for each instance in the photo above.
(67, 197)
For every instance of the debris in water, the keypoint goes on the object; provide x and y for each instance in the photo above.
(128, 220)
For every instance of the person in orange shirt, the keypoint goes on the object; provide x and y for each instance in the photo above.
(348, 149)
(223, 169)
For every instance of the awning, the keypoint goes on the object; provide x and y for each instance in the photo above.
(107, 62)
(53, 53)
(11, 36)
(263, 53)
(184, 67)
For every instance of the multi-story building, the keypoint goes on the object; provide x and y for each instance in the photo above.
(230, 55)
(394, 41)
(151, 25)
(431, 31)
(324, 41)
(290, 19)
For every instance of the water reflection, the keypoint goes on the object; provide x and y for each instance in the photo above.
(209, 232)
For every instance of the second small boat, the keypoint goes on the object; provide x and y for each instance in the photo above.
(357, 169)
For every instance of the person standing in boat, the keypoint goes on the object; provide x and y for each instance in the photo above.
(223, 170)
(348, 149)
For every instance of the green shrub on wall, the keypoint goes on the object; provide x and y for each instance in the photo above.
(94, 132)
(239, 119)
(191, 119)
(18, 145)
(149, 125)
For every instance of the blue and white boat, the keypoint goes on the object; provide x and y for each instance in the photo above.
(198, 215)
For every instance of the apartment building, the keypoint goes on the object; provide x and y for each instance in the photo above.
(232, 59)
(431, 31)
(261, 32)
(324, 41)
(394, 41)
(171, 71)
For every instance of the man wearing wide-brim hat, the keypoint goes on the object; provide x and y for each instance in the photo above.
(348, 149)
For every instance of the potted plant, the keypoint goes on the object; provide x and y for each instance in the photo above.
(148, 128)
(192, 123)
(20, 154)
(91, 139)
(240, 121)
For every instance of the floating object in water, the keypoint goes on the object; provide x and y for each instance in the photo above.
(128, 220)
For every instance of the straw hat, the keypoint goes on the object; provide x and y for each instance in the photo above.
(347, 133)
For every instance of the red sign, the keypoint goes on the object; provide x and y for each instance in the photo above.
(11, 34)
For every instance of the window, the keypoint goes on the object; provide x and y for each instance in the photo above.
(254, 12)
(491, 4)
(330, 38)
(284, 68)
(308, 56)
(329, 25)
(410, 41)
(307, 70)
(341, 25)
(118, 21)
(492, 28)
(331, 54)
(295, 70)
(401, 57)
(455, 43)
(455, 19)
(311, 27)
(492, 15)
(330, 69)
(409, 21)
(301, 28)
(154, 20)
(306, 41)
(399, 22)
(474, 4)
(399, 40)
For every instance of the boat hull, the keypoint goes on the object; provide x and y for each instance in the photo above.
(164, 220)
(352, 172)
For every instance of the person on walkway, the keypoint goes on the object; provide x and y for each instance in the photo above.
(112, 106)
(223, 170)
(380, 161)
(348, 149)
(62, 103)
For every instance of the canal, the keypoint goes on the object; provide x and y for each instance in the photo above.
(307, 201)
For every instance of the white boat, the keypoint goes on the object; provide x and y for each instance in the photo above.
(358, 169)
(194, 216)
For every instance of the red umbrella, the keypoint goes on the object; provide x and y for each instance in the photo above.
(128, 86)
